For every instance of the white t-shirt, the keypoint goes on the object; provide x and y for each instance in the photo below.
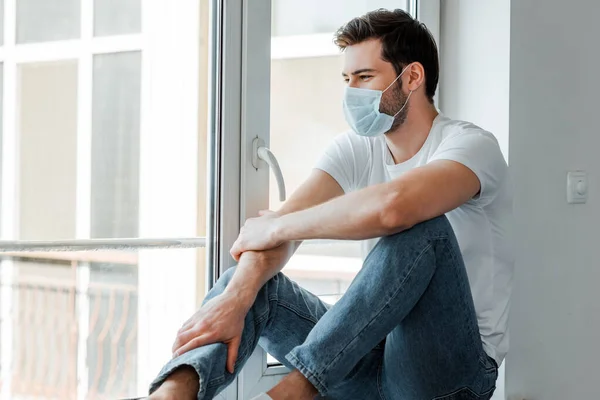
(482, 225)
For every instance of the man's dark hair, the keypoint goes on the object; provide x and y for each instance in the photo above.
(404, 40)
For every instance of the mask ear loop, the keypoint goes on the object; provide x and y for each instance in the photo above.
(398, 77)
(405, 103)
(410, 94)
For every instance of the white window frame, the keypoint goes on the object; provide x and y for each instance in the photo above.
(257, 46)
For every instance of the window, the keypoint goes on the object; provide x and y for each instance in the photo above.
(105, 147)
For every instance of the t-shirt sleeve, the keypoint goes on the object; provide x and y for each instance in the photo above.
(479, 151)
(346, 159)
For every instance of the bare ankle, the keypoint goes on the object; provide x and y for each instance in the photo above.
(182, 384)
(293, 387)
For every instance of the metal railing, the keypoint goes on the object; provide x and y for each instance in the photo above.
(74, 341)
(45, 323)
(100, 244)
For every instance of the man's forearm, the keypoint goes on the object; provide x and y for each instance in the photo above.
(255, 268)
(379, 210)
(364, 214)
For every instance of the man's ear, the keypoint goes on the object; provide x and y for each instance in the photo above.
(414, 77)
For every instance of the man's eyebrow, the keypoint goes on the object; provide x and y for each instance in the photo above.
(360, 71)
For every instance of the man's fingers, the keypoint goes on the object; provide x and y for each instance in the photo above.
(187, 325)
(236, 251)
(232, 353)
(235, 254)
(192, 344)
(183, 337)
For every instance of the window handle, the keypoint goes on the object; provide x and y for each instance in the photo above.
(259, 151)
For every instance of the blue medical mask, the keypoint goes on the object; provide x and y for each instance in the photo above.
(361, 109)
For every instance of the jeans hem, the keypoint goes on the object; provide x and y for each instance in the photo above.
(308, 374)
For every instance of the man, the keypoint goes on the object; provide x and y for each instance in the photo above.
(426, 316)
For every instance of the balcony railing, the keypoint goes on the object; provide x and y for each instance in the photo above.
(72, 319)
(48, 308)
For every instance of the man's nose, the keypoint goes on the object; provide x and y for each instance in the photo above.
(354, 83)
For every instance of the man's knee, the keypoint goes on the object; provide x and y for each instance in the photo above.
(434, 228)
(424, 232)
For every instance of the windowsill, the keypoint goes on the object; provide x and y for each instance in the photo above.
(301, 266)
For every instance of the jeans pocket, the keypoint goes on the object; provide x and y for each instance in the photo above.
(466, 394)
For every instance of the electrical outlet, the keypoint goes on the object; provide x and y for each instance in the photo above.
(577, 188)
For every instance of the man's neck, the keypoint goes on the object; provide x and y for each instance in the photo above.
(406, 140)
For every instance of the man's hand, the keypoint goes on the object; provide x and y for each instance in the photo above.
(220, 320)
(257, 234)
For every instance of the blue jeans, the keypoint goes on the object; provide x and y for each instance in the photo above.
(405, 329)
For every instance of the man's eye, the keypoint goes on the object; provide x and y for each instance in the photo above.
(365, 77)
(346, 80)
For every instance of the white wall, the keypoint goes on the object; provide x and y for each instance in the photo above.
(550, 96)
(474, 71)
(474, 57)
(554, 88)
